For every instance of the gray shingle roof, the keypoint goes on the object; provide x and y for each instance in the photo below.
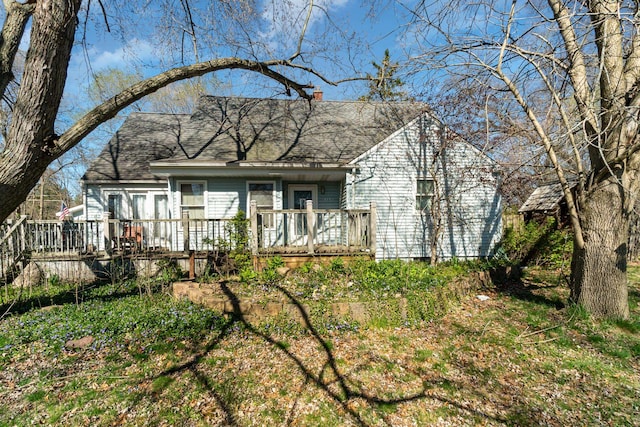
(544, 198)
(142, 138)
(237, 129)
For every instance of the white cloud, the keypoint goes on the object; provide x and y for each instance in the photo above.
(287, 17)
(133, 52)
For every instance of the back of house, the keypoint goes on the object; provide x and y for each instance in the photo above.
(315, 171)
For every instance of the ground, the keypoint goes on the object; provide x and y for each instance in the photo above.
(520, 357)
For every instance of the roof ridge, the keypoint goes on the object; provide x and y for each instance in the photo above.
(324, 101)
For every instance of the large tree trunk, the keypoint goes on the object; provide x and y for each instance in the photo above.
(599, 269)
(31, 140)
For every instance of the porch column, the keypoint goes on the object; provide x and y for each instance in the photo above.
(311, 226)
(373, 219)
(253, 220)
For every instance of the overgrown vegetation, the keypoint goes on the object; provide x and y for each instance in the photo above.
(114, 316)
(515, 359)
(232, 254)
(537, 243)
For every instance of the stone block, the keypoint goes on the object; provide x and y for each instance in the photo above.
(340, 309)
(358, 311)
(180, 289)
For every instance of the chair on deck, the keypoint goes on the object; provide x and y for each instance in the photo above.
(131, 237)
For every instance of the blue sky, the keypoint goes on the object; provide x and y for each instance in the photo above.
(136, 53)
(137, 50)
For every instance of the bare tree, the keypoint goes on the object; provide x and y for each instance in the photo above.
(572, 71)
(31, 141)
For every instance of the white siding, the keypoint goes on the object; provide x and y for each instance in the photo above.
(470, 204)
(226, 197)
(96, 197)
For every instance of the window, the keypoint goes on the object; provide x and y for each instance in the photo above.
(114, 206)
(262, 194)
(424, 194)
(139, 202)
(192, 199)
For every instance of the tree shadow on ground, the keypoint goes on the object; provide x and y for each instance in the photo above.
(71, 295)
(339, 386)
(527, 290)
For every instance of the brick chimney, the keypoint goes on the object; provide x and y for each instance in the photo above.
(317, 94)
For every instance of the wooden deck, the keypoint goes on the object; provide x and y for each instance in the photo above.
(302, 233)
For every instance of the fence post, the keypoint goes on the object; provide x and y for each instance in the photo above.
(106, 232)
(372, 227)
(311, 225)
(185, 232)
(253, 221)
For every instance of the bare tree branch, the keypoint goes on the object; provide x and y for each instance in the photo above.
(136, 92)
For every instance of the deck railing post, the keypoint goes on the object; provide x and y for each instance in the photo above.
(185, 233)
(23, 234)
(106, 232)
(253, 223)
(372, 227)
(311, 232)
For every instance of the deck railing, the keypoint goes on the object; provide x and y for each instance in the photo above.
(271, 231)
(313, 230)
(13, 245)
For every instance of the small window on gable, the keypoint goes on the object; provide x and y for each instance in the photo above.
(424, 194)
(192, 199)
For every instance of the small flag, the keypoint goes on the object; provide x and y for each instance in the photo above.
(64, 211)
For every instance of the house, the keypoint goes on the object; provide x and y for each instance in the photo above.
(303, 164)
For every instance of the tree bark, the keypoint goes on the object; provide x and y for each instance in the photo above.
(31, 139)
(31, 144)
(17, 16)
(599, 268)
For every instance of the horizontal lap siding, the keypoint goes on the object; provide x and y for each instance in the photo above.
(94, 205)
(470, 206)
(225, 197)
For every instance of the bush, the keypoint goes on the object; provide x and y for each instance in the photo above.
(542, 244)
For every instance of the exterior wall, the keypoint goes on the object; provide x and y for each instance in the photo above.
(224, 197)
(96, 197)
(470, 205)
(328, 193)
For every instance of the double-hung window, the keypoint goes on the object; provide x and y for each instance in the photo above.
(114, 206)
(138, 204)
(424, 194)
(263, 194)
(192, 199)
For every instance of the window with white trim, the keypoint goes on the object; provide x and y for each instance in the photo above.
(138, 206)
(114, 205)
(424, 194)
(192, 199)
(264, 195)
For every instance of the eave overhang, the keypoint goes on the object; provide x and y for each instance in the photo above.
(287, 170)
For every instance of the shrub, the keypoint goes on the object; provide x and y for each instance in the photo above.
(537, 244)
